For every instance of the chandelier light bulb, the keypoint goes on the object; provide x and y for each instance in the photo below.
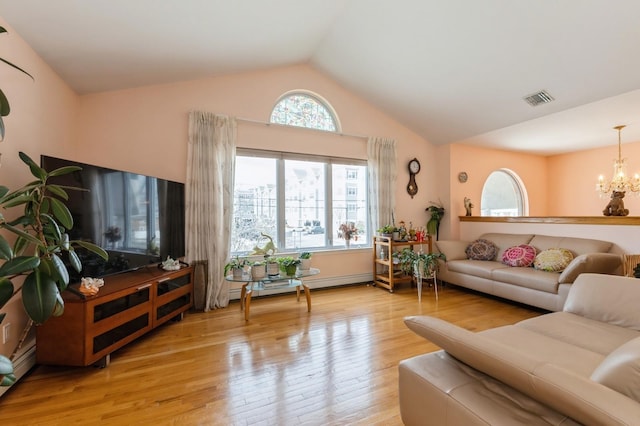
(620, 181)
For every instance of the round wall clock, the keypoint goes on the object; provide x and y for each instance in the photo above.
(414, 168)
(462, 177)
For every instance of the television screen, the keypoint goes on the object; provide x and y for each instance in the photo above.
(137, 219)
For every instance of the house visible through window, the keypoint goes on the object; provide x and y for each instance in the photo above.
(503, 194)
(300, 201)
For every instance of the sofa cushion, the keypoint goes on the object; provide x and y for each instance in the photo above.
(476, 268)
(568, 392)
(606, 298)
(452, 249)
(620, 370)
(553, 260)
(601, 263)
(504, 241)
(519, 256)
(577, 246)
(528, 278)
(481, 249)
(592, 335)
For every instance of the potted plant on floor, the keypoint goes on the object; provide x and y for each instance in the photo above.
(41, 239)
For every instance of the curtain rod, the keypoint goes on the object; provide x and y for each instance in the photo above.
(264, 123)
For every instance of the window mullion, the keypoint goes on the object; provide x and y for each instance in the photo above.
(328, 197)
(280, 225)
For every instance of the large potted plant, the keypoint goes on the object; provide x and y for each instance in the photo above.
(36, 255)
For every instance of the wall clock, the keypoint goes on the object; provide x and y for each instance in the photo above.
(462, 177)
(414, 168)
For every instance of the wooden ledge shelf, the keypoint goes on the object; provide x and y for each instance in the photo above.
(563, 220)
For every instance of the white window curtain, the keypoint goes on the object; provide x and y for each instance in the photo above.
(209, 204)
(381, 159)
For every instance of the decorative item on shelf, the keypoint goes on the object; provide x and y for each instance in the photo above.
(615, 207)
(436, 210)
(620, 182)
(258, 270)
(288, 265)
(171, 264)
(468, 205)
(305, 261)
(348, 231)
(90, 286)
(236, 266)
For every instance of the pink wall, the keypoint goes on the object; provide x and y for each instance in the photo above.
(145, 130)
(478, 163)
(42, 119)
(573, 177)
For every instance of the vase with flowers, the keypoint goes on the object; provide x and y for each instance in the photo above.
(348, 231)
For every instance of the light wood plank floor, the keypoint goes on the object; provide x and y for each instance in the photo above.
(336, 365)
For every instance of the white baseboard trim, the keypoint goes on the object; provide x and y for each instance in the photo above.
(22, 365)
(234, 293)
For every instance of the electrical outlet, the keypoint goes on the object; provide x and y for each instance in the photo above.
(6, 332)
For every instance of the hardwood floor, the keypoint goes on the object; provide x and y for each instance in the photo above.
(336, 365)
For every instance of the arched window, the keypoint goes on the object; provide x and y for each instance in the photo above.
(304, 109)
(504, 194)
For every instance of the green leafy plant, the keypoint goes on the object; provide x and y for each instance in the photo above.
(305, 255)
(287, 261)
(387, 229)
(40, 240)
(410, 261)
(436, 212)
(4, 102)
(236, 263)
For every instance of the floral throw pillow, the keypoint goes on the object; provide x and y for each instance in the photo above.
(553, 260)
(481, 249)
(522, 255)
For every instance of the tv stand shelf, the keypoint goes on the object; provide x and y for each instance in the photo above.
(126, 307)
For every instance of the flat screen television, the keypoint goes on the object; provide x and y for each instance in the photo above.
(137, 219)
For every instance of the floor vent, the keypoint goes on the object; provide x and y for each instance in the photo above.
(541, 97)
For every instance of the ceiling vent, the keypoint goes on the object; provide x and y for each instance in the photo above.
(541, 97)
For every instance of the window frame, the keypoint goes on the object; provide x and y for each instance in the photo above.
(330, 232)
(520, 189)
(316, 98)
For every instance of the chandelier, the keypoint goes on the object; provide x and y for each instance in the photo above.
(620, 180)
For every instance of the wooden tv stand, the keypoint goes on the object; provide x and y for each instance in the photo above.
(126, 307)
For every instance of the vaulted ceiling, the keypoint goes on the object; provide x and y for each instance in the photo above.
(451, 70)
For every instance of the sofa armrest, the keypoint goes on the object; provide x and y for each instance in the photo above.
(583, 400)
(452, 249)
(599, 263)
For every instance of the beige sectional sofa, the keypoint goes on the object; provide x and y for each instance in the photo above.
(546, 290)
(577, 366)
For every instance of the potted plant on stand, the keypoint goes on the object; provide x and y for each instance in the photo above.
(41, 239)
(420, 265)
(258, 270)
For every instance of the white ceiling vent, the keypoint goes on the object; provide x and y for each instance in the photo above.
(541, 97)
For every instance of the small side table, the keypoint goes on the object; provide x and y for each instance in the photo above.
(268, 283)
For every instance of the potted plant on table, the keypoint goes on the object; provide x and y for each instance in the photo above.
(288, 265)
(258, 270)
(305, 260)
(236, 266)
(40, 240)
